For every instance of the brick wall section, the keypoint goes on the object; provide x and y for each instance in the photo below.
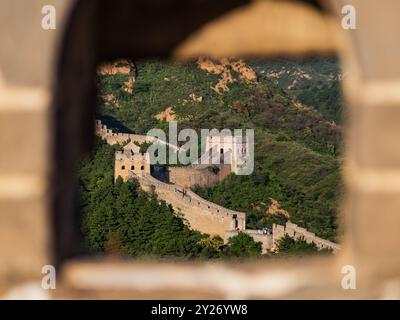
(113, 138)
(198, 175)
(27, 59)
(296, 232)
(269, 241)
(372, 164)
(202, 215)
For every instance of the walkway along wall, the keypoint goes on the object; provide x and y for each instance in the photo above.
(201, 215)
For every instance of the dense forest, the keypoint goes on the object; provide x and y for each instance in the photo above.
(297, 154)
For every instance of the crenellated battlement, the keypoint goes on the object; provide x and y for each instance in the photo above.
(296, 232)
(111, 137)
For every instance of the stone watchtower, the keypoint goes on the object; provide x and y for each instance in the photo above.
(131, 160)
(229, 149)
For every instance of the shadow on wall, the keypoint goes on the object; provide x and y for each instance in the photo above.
(114, 124)
(160, 172)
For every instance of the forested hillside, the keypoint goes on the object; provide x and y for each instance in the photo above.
(297, 146)
(315, 82)
(296, 149)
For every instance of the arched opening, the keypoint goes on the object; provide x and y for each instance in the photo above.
(94, 46)
(235, 222)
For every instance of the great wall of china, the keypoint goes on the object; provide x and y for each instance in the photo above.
(200, 214)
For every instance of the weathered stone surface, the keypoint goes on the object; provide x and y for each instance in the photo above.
(374, 230)
(374, 135)
(28, 53)
(24, 238)
(23, 142)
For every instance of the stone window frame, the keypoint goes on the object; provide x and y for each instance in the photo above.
(367, 176)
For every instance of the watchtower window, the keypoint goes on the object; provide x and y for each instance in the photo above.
(142, 168)
(132, 167)
(222, 151)
(123, 168)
